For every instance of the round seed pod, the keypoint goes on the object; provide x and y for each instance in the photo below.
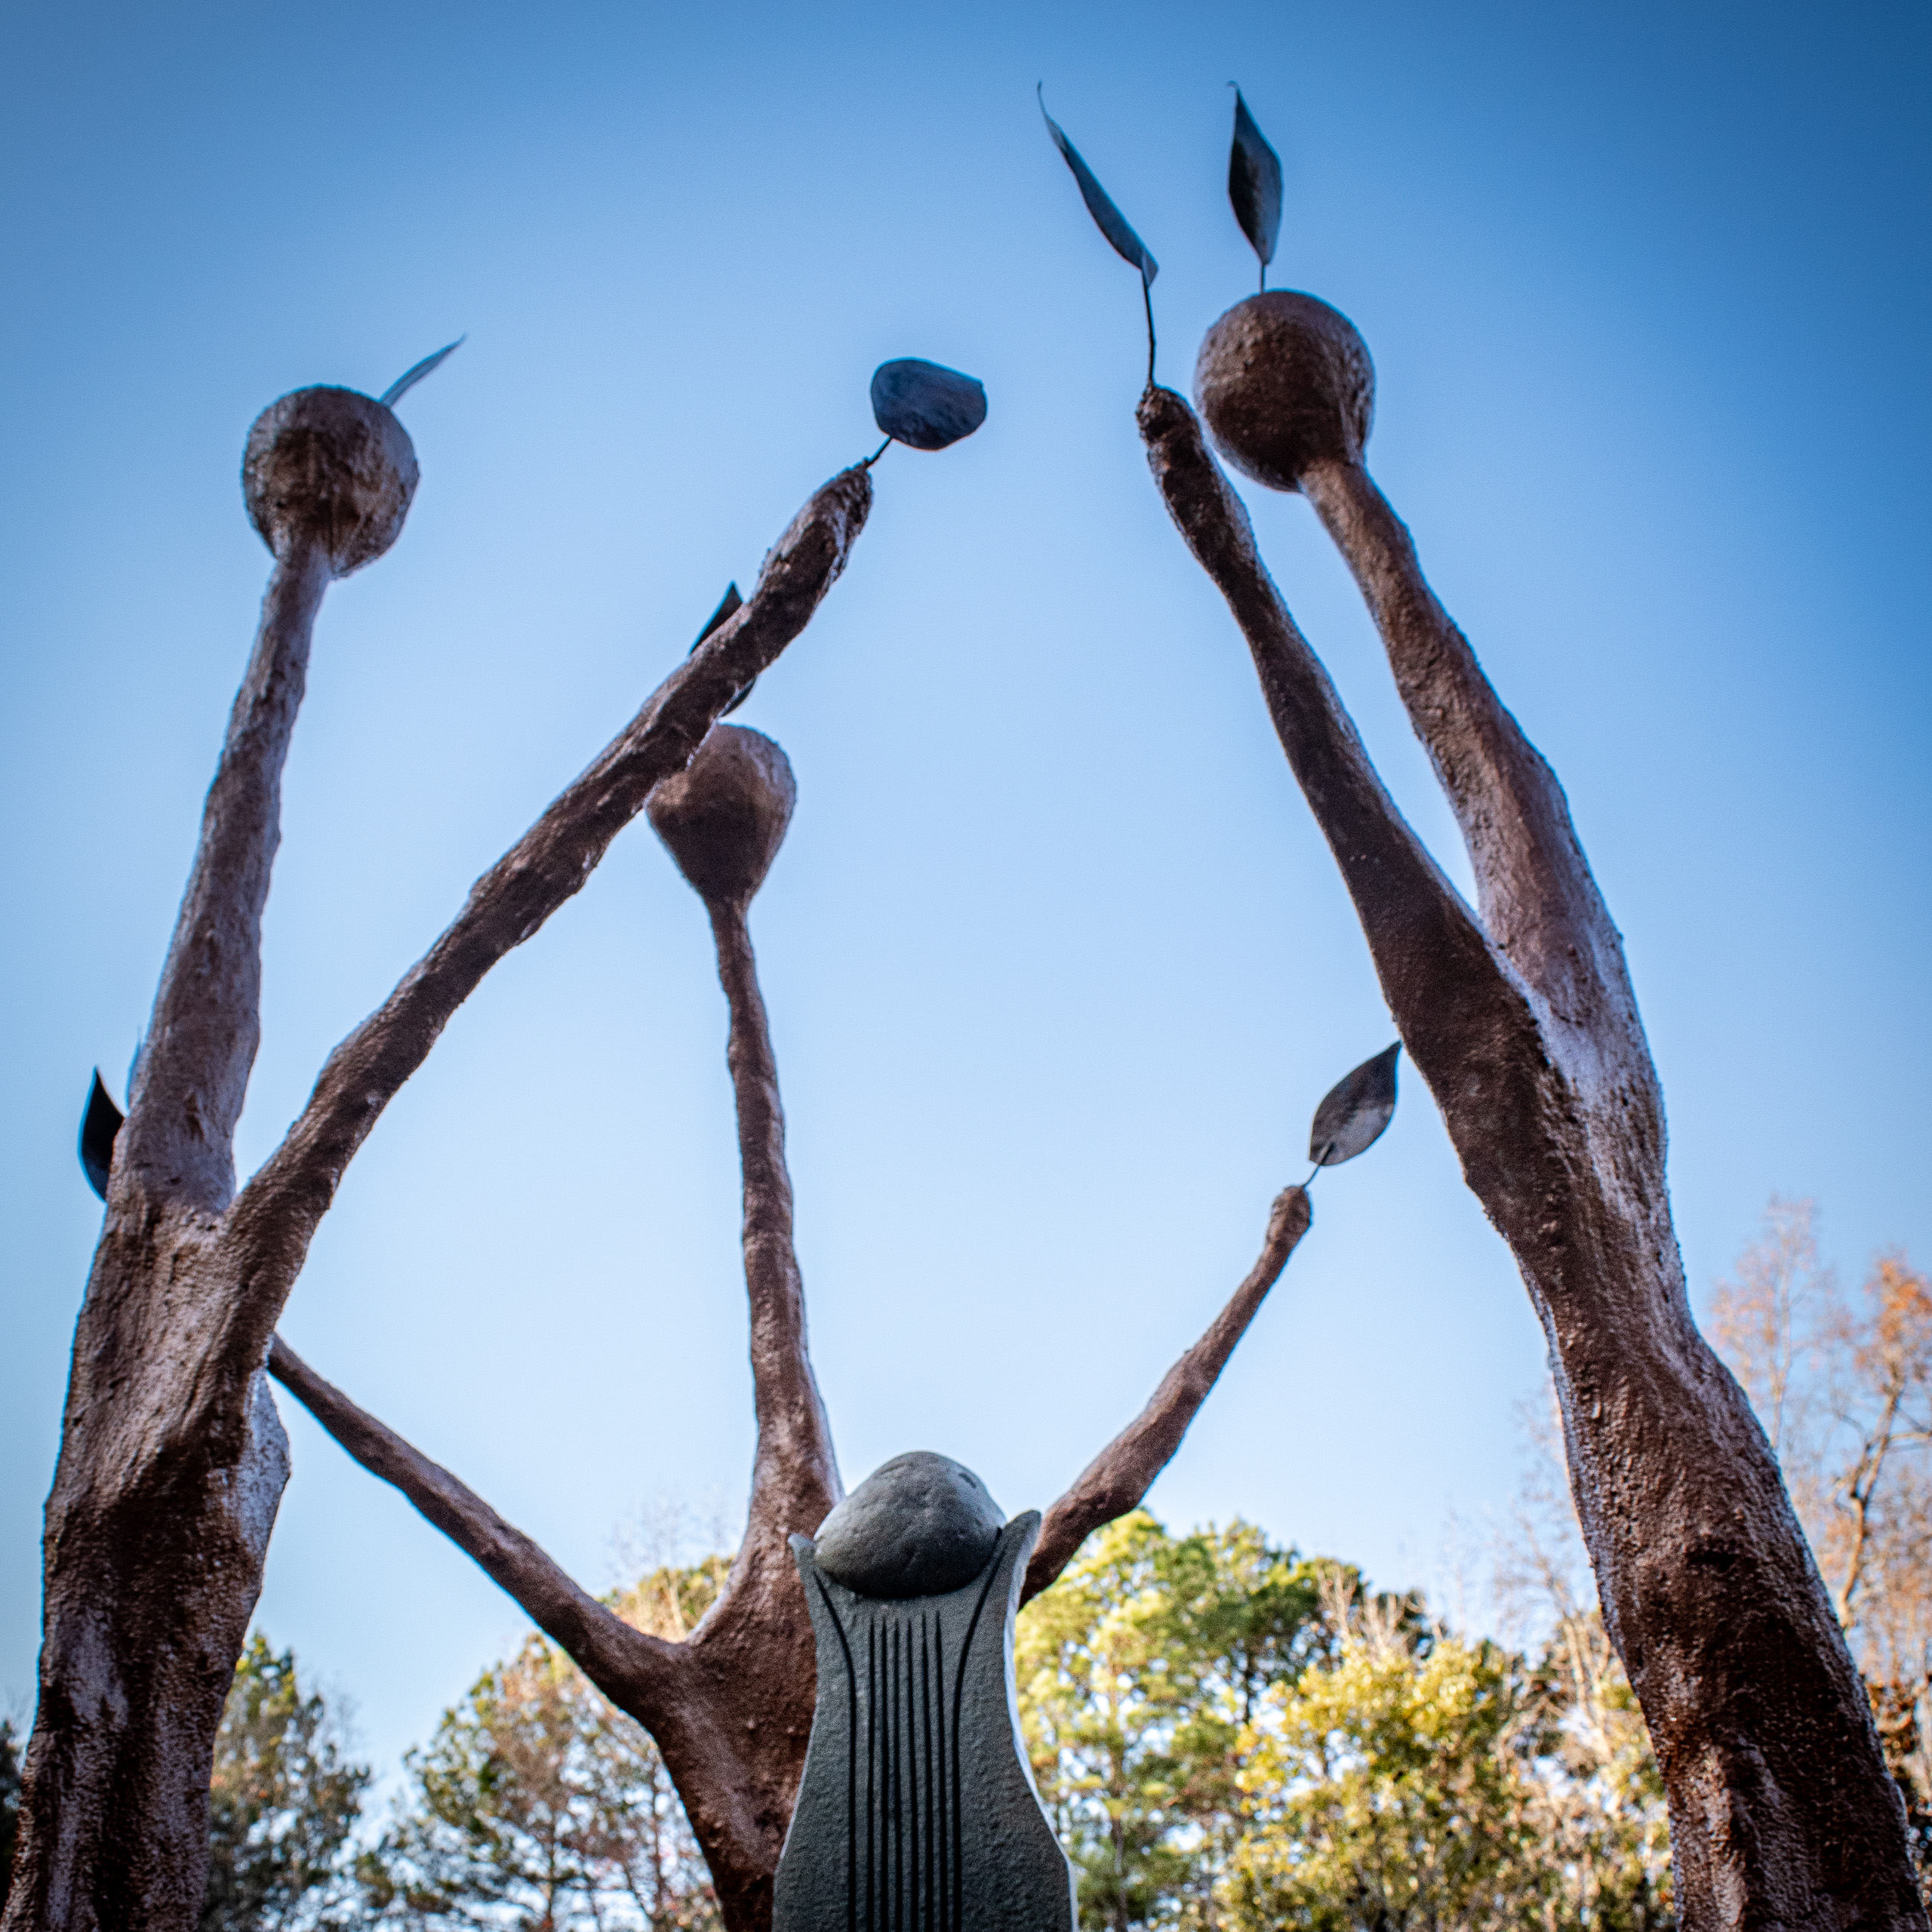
(723, 817)
(331, 466)
(1283, 380)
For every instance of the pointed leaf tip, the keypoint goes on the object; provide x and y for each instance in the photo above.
(99, 1125)
(1107, 218)
(924, 405)
(1355, 1111)
(729, 605)
(1254, 184)
(414, 374)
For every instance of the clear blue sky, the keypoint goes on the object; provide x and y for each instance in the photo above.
(1057, 964)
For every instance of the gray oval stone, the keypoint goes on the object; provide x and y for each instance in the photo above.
(918, 1526)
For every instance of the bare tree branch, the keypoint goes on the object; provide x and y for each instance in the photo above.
(1538, 900)
(178, 1142)
(1122, 1473)
(794, 1479)
(275, 1218)
(631, 1666)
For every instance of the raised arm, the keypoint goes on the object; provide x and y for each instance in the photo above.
(723, 819)
(1462, 1012)
(275, 1218)
(1122, 1473)
(634, 1668)
(1538, 898)
(1531, 1042)
(328, 476)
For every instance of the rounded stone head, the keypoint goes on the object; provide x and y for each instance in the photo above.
(329, 466)
(724, 816)
(918, 1526)
(1282, 381)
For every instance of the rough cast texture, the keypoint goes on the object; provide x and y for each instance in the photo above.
(1282, 379)
(723, 816)
(731, 1709)
(917, 1811)
(1522, 1021)
(332, 469)
(918, 1526)
(171, 1461)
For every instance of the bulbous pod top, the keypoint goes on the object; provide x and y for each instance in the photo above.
(333, 466)
(1282, 381)
(723, 816)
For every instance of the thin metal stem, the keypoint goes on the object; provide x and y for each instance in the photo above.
(877, 453)
(1147, 301)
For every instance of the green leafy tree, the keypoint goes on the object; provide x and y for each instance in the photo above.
(539, 1804)
(1231, 1736)
(282, 1804)
(1140, 1671)
(1389, 1790)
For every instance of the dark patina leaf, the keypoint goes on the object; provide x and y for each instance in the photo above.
(99, 1125)
(1254, 184)
(925, 405)
(1355, 1111)
(414, 374)
(729, 605)
(1109, 219)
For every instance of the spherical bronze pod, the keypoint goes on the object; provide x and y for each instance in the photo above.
(329, 466)
(1282, 381)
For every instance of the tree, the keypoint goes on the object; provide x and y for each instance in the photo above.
(1843, 1385)
(1231, 1735)
(538, 1797)
(282, 1804)
(1138, 1670)
(1599, 1797)
(1390, 1788)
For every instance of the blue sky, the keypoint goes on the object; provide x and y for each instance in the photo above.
(1057, 963)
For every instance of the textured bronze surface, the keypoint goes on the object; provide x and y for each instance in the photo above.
(723, 817)
(1281, 379)
(1522, 1018)
(172, 1459)
(330, 468)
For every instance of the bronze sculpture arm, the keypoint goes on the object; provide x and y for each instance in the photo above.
(1122, 1473)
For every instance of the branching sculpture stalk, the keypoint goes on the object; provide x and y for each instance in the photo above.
(1523, 1022)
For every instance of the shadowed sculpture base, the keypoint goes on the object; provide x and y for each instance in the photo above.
(917, 1812)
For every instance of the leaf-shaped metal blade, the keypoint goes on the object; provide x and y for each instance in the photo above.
(99, 1125)
(1254, 184)
(924, 405)
(1355, 1111)
(1109, 219)
(729, 605)
(414, 374)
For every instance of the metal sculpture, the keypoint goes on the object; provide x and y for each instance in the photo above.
(173, 1459)
(1520, 1014)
